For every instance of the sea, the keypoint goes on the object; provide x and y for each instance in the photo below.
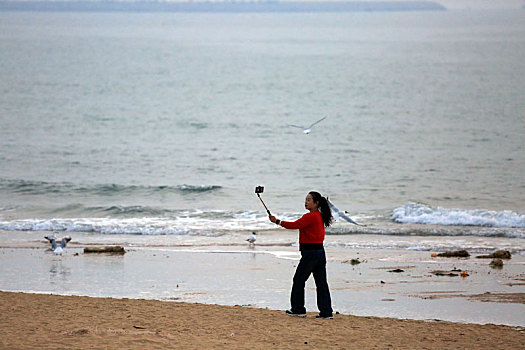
(160, 126)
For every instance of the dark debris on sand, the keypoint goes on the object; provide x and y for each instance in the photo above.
(455, 254)
(499, 254)
(108, 249)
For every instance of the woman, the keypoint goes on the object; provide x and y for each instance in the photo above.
(313, 259)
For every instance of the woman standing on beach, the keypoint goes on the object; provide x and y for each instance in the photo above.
(313, 258)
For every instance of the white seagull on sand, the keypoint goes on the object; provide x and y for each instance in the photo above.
(252, 238)
(307, 129)
(56, 248)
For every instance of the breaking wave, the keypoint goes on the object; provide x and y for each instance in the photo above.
(417, 213)
(194, 222)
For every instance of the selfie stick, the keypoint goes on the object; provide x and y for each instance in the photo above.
(264, 204)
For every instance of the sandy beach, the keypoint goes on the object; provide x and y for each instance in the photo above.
(386, 283)
(168, 294)
(32, 321)
(389, 283)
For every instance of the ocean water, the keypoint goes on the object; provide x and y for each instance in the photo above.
(162, 124)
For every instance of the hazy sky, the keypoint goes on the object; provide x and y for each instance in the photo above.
(450, 4)
(481, 4)
(464, 4)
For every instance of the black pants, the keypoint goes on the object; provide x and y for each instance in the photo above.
(312, 262)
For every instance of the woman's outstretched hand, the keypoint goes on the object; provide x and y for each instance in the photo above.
(272, 218)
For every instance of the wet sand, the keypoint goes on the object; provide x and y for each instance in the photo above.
(32, 321)
(261, 276)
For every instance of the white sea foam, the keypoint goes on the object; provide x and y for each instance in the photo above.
(426, 222)
(190, 223)
(417, 213)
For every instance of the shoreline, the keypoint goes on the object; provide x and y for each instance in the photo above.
(261, 275)
(59, 322)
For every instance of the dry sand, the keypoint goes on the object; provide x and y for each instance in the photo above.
(37, 321)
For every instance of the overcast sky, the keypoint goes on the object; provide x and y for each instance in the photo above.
(462, 4)
(481, 4)
(450, 4)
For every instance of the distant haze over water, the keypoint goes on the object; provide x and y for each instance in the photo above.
(220, 6)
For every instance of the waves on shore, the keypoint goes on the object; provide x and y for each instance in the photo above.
(140, 220)
(417, 213)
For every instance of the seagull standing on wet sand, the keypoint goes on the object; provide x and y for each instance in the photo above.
(252, 238)
(57, 249)
(307, 129)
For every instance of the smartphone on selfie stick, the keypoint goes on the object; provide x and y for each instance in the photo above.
(258, 190)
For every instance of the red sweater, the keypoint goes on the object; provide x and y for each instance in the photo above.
(310, 225)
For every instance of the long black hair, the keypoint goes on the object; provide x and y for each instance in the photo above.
(324, 208)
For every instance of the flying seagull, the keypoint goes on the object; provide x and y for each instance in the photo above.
(307, 130)
(336, 213)
(252, 238)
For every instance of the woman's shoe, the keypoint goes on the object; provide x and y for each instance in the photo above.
(295, 314)
(330, 317)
